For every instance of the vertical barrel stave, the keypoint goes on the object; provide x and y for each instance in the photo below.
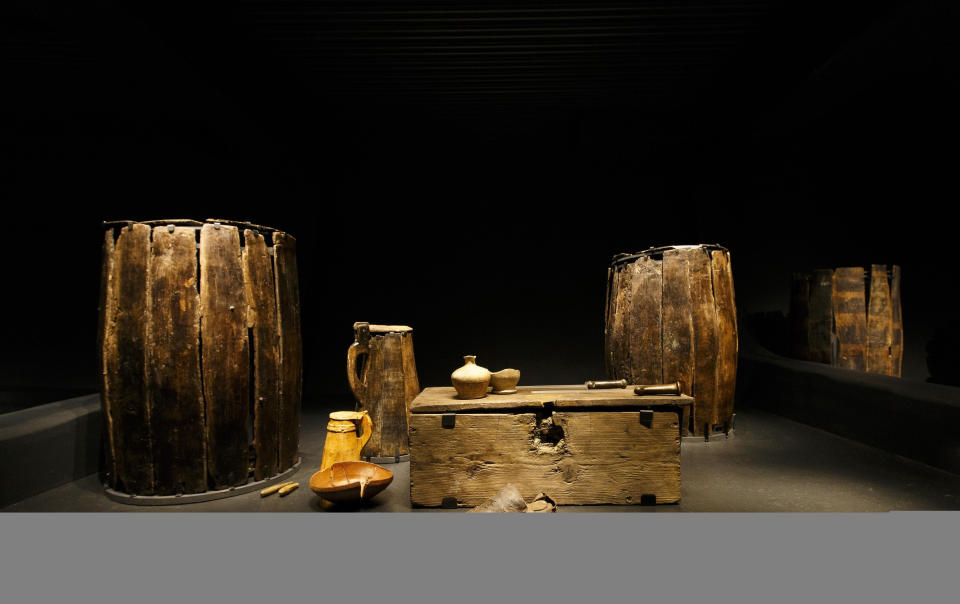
(728, 337)
(105, 348)
(291, 348)
(259, 282)
(646, 345)
(622, 325)
(226, 356)
(706, 337)
(127, 362)
(678, 363)
(879, 322)
(176, 398)
(850, 317)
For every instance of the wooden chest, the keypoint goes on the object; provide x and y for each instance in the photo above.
(576, 445)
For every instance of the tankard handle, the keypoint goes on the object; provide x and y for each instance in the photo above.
(357, 386)
(360, 346)
(366, 425)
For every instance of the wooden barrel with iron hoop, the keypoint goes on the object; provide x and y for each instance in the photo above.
(671, 316)
(200, 355)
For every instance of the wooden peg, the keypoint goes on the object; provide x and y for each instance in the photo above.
(273, 489)
(287, 489)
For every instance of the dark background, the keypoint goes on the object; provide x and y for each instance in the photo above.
(469, 169)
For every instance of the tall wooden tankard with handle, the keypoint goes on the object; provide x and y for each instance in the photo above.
(383, 377)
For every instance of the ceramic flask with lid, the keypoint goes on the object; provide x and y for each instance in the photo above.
(471, 380)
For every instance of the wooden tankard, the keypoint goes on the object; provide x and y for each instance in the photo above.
(342, 442)
(383, 377)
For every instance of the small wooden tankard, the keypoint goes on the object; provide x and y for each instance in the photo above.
(343, 443)
(383, 377)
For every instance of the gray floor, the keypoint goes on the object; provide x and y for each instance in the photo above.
(771, 465)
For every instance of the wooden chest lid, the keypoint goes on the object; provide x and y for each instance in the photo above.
(444, 400)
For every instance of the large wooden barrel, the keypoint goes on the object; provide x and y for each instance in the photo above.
(849, 317)
(200, 356)
(671, 316)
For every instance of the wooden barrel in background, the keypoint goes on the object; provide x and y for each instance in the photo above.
(849, 317)
(671, 316)
(200, 355)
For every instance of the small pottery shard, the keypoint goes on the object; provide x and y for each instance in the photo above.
(541, 504)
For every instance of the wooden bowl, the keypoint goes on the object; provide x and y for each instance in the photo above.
(505, 381)
(351, 481)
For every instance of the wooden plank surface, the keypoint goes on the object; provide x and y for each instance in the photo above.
(261, 295)
(605, 457)
(226, 357)
(850, 317)
(444, 399)
(896, 331)
(291, 351)
(176, 398)
(646, 349)
(879, 322)
(728, 342)
(126, 362)
(705, 339)
(105, 336)
(820, 324)
(678, 362)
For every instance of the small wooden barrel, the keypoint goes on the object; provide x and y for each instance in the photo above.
(671, 316)
(849, 317)
(382, 373)
(200, 356)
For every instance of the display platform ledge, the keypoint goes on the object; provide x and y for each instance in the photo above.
(48, 445)
(913, 419)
